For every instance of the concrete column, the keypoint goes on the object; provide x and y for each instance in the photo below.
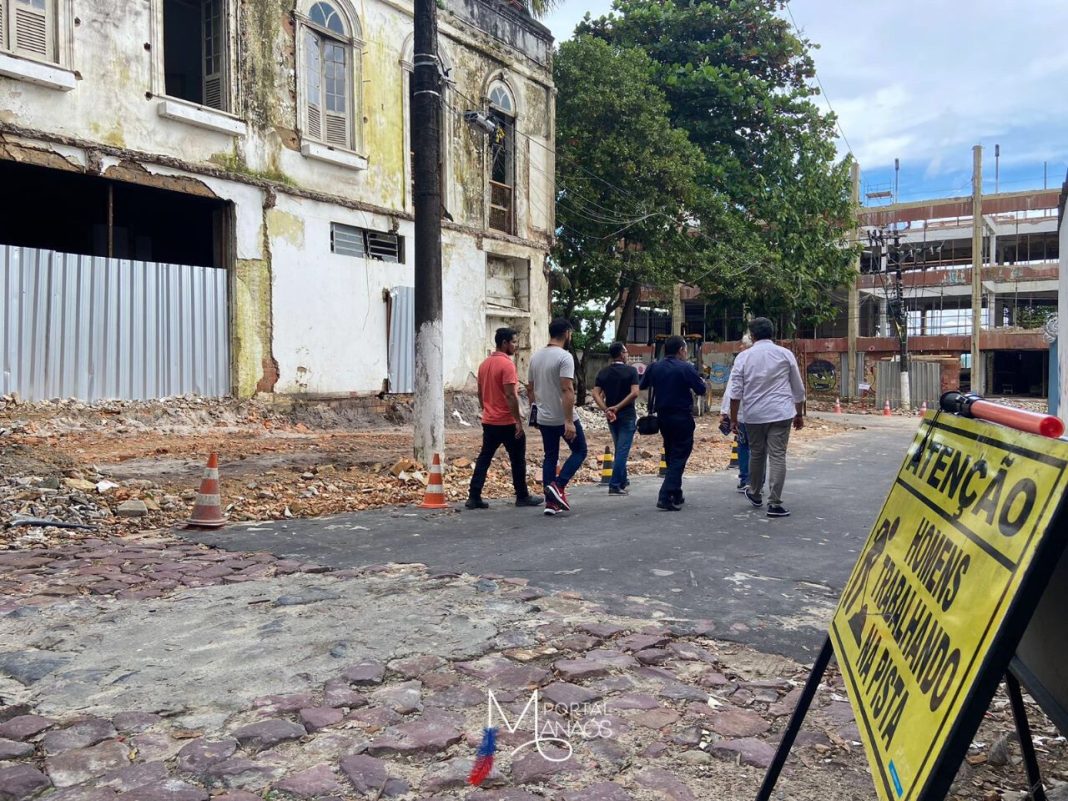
(977, 266)
(853, 318)
(678, 311)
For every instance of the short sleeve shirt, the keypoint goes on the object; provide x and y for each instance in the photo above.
(615, 381)
(547, 367)
(494, 374)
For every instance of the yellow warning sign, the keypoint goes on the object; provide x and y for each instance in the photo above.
(929, 598)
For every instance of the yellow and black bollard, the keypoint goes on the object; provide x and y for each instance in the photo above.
(606, 466)
(734, 454)
(663, 463)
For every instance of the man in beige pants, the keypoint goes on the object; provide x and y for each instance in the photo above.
(766, 387)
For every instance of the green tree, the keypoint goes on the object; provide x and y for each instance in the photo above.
(626, 182)
(739, 82)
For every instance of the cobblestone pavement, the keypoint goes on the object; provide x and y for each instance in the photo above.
(153, 669)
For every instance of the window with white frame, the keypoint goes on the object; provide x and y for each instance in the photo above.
(196, 52)
(330, 65)
(28, 28)
(502, 159)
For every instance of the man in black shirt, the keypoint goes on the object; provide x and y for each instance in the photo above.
(672, 379)
(614, 393)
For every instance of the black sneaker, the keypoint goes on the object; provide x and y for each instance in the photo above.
(777, 510)
(617, 491)
(756, 500)
(678, 500)
(476, 503)
(668, 506)
(530, 500)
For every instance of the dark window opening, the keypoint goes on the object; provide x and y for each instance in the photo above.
(502, 173)
(1020, 372)
(74, 213)
(195, 51)
(348, 240)
(647, 323)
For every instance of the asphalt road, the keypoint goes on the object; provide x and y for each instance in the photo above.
(771, 583)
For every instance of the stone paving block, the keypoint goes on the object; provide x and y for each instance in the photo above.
(82, 764)
(155, 745)
(83, 794)
(14, 749)
(267, 733)
(364, 674)
(21, 782)
(366, 774)
(82, 734)
(460, 696)
(404, 698)
(339, 694)
(135, 776)
(639, 642)
(664, 782)
(452, 774)
(612, 657)
(733, 722)
(506, 794)
(676, 691)
(238, 795)
(374, 718)
(28, 668)
(652, 656)
(130, 722)
(319, 717)
(166, 790)
(519, 677)
(485, 667)
(430, 734)
(578, 669)
(534, 768)
(238, 772)
(567, 694)
(198, 756)
(601, 791)
(656, 718)
(746, 750)
(274, 704)
(316, 781)
(414, 667)
(633, 701)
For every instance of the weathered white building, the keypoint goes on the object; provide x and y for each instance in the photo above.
(215, 195)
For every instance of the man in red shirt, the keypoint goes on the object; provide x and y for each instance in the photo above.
(501, 422)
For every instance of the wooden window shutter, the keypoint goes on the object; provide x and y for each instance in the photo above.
(338, 85)
(213, 51)
(313, 85)
(32, 26)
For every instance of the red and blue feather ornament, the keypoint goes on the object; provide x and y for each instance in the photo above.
(484, 758)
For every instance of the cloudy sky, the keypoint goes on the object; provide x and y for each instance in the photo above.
(925, 80)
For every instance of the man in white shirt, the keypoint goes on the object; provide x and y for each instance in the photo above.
(766, 388)
(741, 437)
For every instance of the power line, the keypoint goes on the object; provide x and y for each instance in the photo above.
(819, 83)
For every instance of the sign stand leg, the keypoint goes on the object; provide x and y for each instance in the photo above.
(796, 719)
(1023, 731)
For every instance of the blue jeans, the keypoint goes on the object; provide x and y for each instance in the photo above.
(550, 439)
(622, 438)
(743, 454)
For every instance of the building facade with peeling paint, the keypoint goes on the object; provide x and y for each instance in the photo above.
(215, 196)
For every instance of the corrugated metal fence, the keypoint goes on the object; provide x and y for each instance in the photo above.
(92, 328)
(925, 383)
(401, 353)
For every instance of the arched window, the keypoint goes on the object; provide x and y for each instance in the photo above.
(502, 159)
(330, 64)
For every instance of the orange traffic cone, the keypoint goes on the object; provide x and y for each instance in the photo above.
(207, 509)
(837, 405)
(923, 409)
(886, 409)
(435, 490)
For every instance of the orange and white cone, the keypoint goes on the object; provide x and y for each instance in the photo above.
(886, 409)
(207, 509)
(435, 490)
(837, 405)
(923, 410)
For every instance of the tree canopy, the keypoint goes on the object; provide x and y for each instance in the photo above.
(690, 149)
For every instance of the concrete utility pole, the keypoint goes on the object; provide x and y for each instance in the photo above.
(426, 142)
(853, 322)
(977, 267)
(678, 311)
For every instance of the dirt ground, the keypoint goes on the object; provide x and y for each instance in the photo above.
(301, 462)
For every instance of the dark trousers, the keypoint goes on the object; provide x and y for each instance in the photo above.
(492, 438)
(622, 431)
(550, 438)
(677, 430)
